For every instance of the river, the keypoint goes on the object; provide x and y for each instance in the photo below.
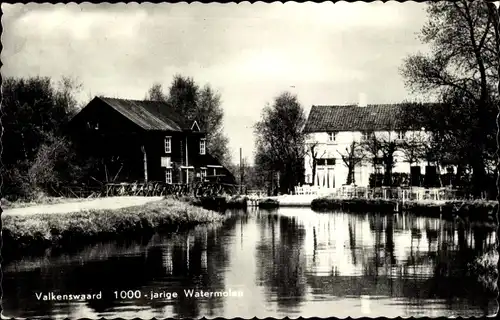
(285, 262)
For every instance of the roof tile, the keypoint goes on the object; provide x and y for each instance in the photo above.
(378, 117)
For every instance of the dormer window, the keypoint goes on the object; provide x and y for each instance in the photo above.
(168, 144)
(203, 144)
(332, 136)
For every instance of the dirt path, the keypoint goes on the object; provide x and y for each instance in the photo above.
(100, 203)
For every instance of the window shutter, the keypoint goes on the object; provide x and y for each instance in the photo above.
(165, 162)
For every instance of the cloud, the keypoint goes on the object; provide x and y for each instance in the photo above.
(249, 52)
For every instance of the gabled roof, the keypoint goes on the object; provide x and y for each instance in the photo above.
(195, 124)
(376, 117)
(149, 115)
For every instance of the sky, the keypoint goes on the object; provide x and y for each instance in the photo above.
(324, 53)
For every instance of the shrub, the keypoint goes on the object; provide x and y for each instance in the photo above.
(485, 269)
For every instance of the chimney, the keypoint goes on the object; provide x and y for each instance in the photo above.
(362, 100)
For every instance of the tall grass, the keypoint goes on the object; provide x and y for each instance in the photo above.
(485, 269)
(44, 230)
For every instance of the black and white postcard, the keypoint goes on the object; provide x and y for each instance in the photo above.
(190, 160)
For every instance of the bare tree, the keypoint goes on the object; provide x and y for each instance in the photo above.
(352, 157)
(313, 157)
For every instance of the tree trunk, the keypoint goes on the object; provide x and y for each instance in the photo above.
(478, 178)
(388, 174)
(458, 176)
(350, 175)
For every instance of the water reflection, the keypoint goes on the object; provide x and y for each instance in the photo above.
(288, 262)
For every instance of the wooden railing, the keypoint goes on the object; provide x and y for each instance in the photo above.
(198, 189)
(76, 191)
(405, 193)
(149, 189)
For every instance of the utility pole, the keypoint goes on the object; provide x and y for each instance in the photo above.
(241, 174)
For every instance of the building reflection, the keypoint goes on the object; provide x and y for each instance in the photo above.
(345, 255)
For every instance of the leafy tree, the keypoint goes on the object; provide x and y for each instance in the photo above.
(183, 96)
(264, 170)
(210, 116)
(155, 93)
(462, 72)
(202, 105)
(34, 114)
(280, 138)
(32, 109)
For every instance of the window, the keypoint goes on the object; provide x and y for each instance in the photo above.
(401, 135)
(203, 174)
(168, 175)
(202, 146)
(330, 162)
(92, 125)
(166, 162)
(332, 136)
(168, 144)
(366, 135)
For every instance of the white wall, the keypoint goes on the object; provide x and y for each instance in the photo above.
(332, 149)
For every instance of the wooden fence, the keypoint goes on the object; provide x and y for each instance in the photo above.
(410, 193)
(198, 189)
(153, 188)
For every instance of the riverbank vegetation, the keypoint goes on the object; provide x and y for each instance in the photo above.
(219, 203)
(40, 231)
(353, 205)
(473, 209)
(481, 210)
(485, 268)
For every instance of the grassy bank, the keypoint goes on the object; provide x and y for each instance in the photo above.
(39, 231)
(217, 203)
(476, 210)
(268, 203)
(6, 204)
(353, 205)
(485, 269)
(480, 210)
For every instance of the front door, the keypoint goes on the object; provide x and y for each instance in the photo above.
(187, 175)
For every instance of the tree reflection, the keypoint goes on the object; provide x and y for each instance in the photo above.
(330, 254)
(281, 261)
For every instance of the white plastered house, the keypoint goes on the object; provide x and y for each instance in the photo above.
(332, 129)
